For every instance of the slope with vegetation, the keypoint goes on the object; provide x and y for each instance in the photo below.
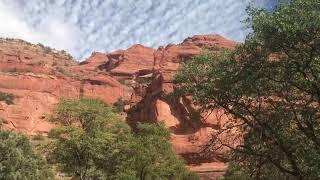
(91, 143)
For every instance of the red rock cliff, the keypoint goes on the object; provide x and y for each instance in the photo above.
(39, 76)
(152, 101)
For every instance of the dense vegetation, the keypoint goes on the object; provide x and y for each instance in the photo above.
(18, 160)
(94, 144)
(91, 143)
(270, 87)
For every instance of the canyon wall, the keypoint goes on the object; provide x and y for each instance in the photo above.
(38, 77)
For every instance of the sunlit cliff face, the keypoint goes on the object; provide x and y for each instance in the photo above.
(82, 26)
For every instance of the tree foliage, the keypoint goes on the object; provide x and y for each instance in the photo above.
(96, 144)
(154, 158)
(270, 87)
(18, 160)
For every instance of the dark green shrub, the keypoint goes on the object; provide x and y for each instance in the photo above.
(38, 137)
(119, 105)
(236, 173)
(13, 70)
(60, 69)
(122, 81)
(18, 160)
(7, 98)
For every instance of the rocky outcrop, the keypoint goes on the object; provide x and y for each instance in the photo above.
(123, 63)
(39, 76)
(152, 100)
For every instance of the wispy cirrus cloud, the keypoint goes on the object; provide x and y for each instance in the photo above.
(83, 26)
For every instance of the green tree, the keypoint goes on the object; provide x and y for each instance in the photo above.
(18, 160)
(270, 88)
(95, 144)
(86, 144)
(153, 156)
(234, 172)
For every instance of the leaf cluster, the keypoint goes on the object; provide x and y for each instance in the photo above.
(270, 88)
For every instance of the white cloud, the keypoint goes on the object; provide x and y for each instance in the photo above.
(83, 26)
(52, 31)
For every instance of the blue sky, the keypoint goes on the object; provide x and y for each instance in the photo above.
(84, 26)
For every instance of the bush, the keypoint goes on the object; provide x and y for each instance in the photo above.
(18, 160)
(122, 81)
(38, 137)
(13, 70)
(60, 69)
(7, 98)
(47, 50)
(236, 173)
(119, 105)
(41, 45)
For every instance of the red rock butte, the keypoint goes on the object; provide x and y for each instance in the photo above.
(39, 77)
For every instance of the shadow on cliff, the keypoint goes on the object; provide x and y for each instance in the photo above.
(180, 108)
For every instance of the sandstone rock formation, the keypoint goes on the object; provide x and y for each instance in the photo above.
(152, 101)
(39, 76)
